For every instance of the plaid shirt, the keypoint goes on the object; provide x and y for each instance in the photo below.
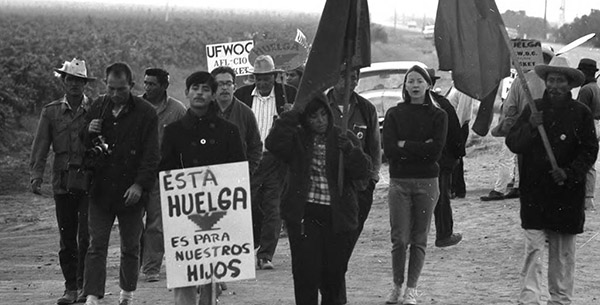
(319, 190)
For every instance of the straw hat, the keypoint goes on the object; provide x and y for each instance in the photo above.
(75, 68)
(264, 64)
(560, 65)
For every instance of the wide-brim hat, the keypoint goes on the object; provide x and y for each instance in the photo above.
(559, 64)
(587, 64)
(75, 68)
(264, 64)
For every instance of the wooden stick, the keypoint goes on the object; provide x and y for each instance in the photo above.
(345, 103)
(529, 97)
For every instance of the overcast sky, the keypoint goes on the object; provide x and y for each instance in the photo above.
(380, 9)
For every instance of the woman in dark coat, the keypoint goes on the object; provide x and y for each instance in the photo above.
(319, 215)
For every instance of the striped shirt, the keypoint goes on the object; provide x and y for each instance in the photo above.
(319, 190)
(265, 109)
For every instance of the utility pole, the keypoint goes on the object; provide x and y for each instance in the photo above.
(561, 17)
(545, 21)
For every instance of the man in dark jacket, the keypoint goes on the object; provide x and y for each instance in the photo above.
(363, 122)
(123, 130)
(552, 200)
(200, 138)
(453, 150)
(267, 100)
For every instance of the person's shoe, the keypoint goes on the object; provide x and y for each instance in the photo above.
(513, 193)
(460, 195)
(152, 277)
(265, 264)
(91, 300)
(394, 295)
(80, 296)
(125, 302)
(69, 297)
(451, 240)
(493, 195)
(410, 296)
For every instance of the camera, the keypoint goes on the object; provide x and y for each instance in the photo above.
(99, 147)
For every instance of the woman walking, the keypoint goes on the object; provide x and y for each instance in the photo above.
(414, 134)
(321, 217)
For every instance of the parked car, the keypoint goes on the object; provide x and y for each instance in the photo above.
(428, 31)
(381, 84)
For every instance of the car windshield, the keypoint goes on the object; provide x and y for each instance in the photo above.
(380, 80)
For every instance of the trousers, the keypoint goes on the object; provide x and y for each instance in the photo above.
(561, 267)
(72, 219)
(411, 203)
(101, 221)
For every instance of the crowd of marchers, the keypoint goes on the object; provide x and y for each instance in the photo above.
(108, 152)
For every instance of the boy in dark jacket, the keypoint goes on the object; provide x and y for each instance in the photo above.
(200, 138)
(320, 216)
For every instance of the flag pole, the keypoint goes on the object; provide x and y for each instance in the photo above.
(345, 102)
(350, 46)
(529, 97)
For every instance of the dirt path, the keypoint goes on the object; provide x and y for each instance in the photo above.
(483, 269)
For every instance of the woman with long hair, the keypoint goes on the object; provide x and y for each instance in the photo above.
(414, 134)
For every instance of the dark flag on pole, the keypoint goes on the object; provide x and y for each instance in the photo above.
(343, 36)
(469, 42)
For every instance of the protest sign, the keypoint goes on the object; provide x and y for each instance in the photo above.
(529, 53)
(231, 54)
(286, 54)
(207, 224)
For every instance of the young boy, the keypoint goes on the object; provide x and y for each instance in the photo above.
(200, 138)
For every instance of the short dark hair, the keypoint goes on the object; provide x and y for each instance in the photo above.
(161, 75)
(201, 77)
(221, 70)
(120, 68)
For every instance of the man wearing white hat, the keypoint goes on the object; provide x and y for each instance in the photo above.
(59, 126)
(552, 200)
(267, 100)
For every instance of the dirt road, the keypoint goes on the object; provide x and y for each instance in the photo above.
(483, 269)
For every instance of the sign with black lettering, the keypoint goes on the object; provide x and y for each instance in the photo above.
(529, 53)
(287, 54)
(207, 224)
(231, 54)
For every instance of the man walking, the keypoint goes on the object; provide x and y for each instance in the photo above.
(589, 95)
(512, 107)
(200, 123)
(168, 110)
(552, 200)
(59, 126)
(124, 131)
(454, 149)
(267, 99)
(364, 123)
(236, 112)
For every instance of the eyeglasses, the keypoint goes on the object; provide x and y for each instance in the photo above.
(225, 84)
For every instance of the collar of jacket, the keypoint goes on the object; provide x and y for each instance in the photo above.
(190, 120)
(85, 104)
